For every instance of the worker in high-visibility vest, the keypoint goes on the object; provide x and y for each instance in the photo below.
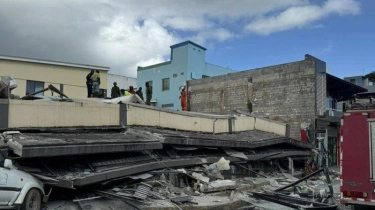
(124, 92)
(95, 80)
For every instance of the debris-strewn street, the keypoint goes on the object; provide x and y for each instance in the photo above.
(178, 189)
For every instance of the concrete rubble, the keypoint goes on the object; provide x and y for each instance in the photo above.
(150, 168)
(158, 192)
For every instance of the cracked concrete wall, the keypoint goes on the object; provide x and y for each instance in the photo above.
(283, 93)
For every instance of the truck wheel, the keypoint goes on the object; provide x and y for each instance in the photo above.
(32, 200)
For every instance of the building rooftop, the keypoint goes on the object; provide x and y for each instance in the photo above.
(74, 142)
(186, 43)
(63, 142)
(58, 63)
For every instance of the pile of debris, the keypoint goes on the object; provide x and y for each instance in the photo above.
(204, 187)
(191, 188)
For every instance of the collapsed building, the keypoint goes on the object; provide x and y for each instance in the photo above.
(86, 142)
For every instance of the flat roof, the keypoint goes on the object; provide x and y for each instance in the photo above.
(186, 43)
(342, 89)
(63, 144)
(140, 68)
(57, 63)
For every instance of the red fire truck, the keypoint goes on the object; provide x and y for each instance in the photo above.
(357, 155)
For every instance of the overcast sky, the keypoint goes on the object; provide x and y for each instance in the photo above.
(124, 34)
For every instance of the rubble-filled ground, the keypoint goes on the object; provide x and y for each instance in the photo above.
(192, 188)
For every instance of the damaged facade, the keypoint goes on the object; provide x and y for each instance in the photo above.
(300, 93)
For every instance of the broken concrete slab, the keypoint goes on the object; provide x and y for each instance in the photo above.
(50, 144)
(245, 139)
(234, 153)
(219, 185)
(200, 177)
(144, 167)
(205, 202)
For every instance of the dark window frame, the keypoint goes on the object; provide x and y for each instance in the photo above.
(165, 84)
(33, 86)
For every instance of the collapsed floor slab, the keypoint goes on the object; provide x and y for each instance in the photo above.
(246, 139)
(90, 170)
(29, 145)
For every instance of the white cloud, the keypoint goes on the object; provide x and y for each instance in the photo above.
(301, 16)
(123, 34)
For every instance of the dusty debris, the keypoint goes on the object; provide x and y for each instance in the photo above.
(214, 170)
(201, 177)
(219, 185)
(142, 191)
(234, 153)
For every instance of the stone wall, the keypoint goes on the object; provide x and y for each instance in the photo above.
(284, 93)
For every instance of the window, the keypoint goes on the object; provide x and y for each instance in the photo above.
(102, 93)
(34, 86)
(167, 105)
(331, 103)
(352, 81)
(205, 76)
(165, 84)
(175, 75)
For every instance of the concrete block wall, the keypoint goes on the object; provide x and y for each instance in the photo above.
(284, 93)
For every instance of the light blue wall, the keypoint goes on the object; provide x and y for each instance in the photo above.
(187, 60)
(215, 70)
(196, 62)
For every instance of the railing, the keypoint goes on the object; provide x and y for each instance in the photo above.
(333, 112)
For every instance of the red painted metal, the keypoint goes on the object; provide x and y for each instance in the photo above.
(304, 135)
(355, 161)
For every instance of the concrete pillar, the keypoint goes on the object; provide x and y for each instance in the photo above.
(291, 166)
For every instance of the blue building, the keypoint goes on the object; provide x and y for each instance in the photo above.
(187, 63)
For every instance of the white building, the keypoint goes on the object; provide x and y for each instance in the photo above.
(123, 82)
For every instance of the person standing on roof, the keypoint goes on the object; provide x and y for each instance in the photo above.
(183, 98)
(115, 91)
(148, 93)
(140, 93)
(122, 91)
(89, 83)
(127, 93)
(131, 90)
(95, 79)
